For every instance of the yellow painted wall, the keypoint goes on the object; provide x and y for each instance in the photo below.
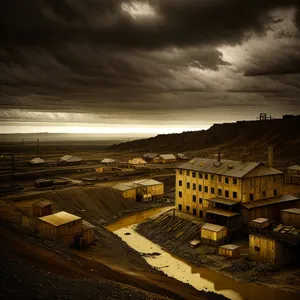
(212, 235)
(129, 194)
(155, 190)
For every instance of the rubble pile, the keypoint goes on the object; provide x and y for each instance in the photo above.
(289, 230)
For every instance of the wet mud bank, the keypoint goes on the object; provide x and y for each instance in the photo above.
(173, 235)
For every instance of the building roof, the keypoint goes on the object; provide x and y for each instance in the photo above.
(270, 201)
(43, 180)
(36, 161)
(147, 182)
(124, 186)
(295, 167)
(108, 160)
(137, 161)
(212, 227)
(292, 210)
(167, 156)
(229, 168)
(60, 218)
(86, 225)
(229, 247)
(70, 158)
(42, 203)
(263, 170)
(150, 155)
(222, 200)
(222, 212)
(260, 220)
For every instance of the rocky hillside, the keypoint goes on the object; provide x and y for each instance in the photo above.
(255, 136)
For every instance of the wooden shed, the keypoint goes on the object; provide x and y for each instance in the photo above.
(149, 189)
(126, 190)
(212, 234)
(229, 250)
(291, 217)
(42, 208)
(267, 250)
(260, 223)
(88, 232)
(60, 226)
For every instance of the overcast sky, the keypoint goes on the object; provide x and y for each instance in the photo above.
(149, 67)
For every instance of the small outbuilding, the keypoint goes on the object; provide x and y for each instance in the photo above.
(260, 223)
(293, 175)
(108, 161)
(212, 234)
(88, 232)
(148, 187)
(137, 163)
(40, 183)
(36, 161)
(165, 158)
(60, 226)
(70, 159)
(42, 208)
(126, 190)
(148, 157)
(291, 217)
(229, 250)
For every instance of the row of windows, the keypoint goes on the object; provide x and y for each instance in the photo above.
(187, 208)
(226, 194)
(206, 176)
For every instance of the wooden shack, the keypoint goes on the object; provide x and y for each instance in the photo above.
(126, 190)
(148, 189)
(260, 223)
(88, 232)
(229, 250)
(292, 175)
(212, 234)
(42, 208)
(60, 226)
(268, 250)
(291, 217)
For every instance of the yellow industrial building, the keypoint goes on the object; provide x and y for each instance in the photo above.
(219, 190)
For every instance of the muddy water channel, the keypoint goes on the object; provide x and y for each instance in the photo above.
(200, 278)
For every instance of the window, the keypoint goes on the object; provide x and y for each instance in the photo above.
(194, 211)
(226, 194)
(226, 180)
(187, 173)
(180, 182)
(220, 178)
(257, 248)
(234, 181)
(180, 194)
(200, 200)
(194, 186)
(200, 188)
(251, 197)
(194, 198)
(219, 192)
(206, 189)
(275, 192)
(201, 213)
(200, 175)
(187, 208)
(212, 190)
(234, 195)
(206, 176)
(180, 172)
(194, 174)
(264, 194)
(187, 185)
(179, 206)
(212, 177)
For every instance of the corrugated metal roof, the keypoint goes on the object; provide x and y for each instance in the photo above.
(222, 212)
(229, 168)
(150, 155)
(262, 171)
(147, 182)
(60, 218)
(107, 160)
(270, 201)
(86, 225)
(222, 200)
(36, 161)
(70, 158)
(212, 227)
(124, 186)
(229, 247)
(137, 161)
(42, 203)
(167, 156)
(292, 210)
(260, 220)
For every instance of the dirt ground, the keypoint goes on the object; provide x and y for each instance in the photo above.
(174, 235)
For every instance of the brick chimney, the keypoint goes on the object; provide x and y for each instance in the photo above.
(270, 157)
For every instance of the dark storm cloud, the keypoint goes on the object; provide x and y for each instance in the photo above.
(92, 55)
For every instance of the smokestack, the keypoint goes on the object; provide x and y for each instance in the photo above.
(270, 157)
(219, 155)
(244, 158)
